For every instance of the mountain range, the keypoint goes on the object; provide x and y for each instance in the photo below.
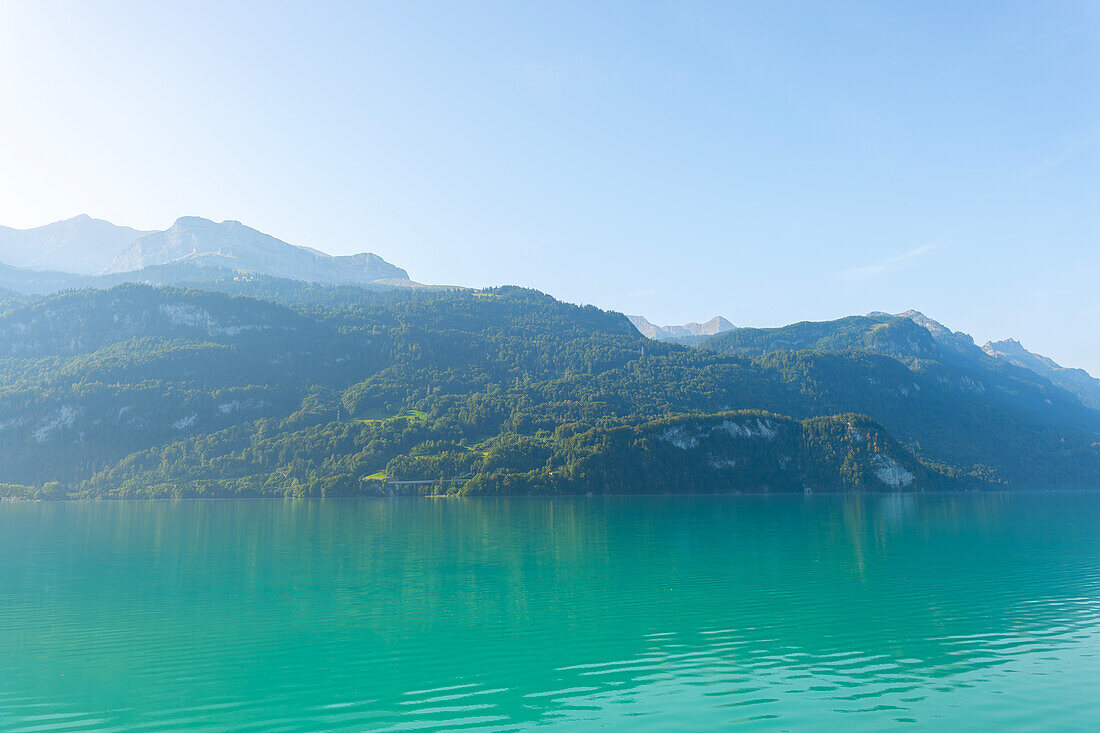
(86, 252)
(878, 331)
(680, 334)
(263, 386)
(211, 359)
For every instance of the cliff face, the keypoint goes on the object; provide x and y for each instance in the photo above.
(747, 451)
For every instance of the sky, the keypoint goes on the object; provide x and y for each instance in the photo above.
(770, 162)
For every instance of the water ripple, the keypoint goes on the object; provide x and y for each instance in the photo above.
(662, 614)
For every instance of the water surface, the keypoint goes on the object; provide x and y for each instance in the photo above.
(654, 613)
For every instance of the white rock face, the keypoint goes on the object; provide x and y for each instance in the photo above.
(680, 437)
(759, 429)
(689, 437)
(185, 314)
(63, 417)
(233, 245)
(971, 385)
(228, 408)
(185, 422)
(890, 472)
(12, 422)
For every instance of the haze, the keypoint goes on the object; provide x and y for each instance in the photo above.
(768, 164)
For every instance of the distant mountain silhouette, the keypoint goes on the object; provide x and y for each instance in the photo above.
(86, 252)
(235, 246)
(81, 245)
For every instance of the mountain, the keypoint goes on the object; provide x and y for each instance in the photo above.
(688, 331)
(38, 282)
(81, 245)
(234, 246)
(955, 342)
(1010, 352)
(930, 388)
(1078, 381)
(909, 336)
(890, 335)
(139, 391)
(89, 253)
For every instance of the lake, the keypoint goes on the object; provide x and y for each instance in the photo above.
(848, 612)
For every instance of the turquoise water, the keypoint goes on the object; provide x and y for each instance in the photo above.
(830, 612)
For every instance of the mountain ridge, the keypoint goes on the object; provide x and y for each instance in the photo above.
(196, 251)
(80, 245)
(233, 245)
(87, 252)
(156, 392)
(926, 347)
(1078, 381)
(714, 326)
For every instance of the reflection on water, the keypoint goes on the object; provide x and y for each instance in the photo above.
(649, 613)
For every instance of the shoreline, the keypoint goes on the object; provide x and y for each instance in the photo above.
(727, 495)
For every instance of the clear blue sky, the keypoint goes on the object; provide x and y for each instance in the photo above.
(770, 162)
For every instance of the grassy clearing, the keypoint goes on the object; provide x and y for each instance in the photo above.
(411, 415)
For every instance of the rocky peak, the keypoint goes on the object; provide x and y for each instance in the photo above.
(715, 325)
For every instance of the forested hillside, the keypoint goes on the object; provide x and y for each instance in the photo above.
(301, 389)
(9, 298)
(950, 358)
